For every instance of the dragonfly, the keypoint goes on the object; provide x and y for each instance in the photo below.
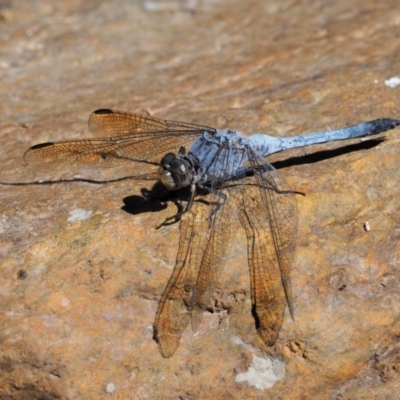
(231, 185)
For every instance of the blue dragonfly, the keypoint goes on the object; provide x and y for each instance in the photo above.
(231, 185)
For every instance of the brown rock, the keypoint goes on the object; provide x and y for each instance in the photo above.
(79, 325)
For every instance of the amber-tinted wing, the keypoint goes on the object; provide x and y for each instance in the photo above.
(175, 307)
(107, 123)
(268, 213)
(201, 257)
(128, 138)
(224, 225)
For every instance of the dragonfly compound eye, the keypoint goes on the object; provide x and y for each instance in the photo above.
(175, 172)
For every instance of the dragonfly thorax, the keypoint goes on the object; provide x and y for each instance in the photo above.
(175, 171)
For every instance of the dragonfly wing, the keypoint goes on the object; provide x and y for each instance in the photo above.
(106, 123)
(219, 241)
(268, 213)
(130, 138)
(175, 307)
(86, 153)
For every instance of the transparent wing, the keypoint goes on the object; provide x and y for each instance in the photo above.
(175, 307)
(212, 262)
(131, 138)
(106, 123)
(268, 213)
(201, 257)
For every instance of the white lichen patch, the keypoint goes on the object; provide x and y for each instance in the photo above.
(263, 373)
(110, 387)
(392, 82)
(79, 214)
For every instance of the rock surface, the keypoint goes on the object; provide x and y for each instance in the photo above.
(81, 277)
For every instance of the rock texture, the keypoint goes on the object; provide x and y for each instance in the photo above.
(81, 277)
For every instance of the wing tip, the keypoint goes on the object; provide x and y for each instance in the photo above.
(268, 335)
(167, 345)
(29, 156)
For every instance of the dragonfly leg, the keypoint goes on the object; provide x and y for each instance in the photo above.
(175, 218)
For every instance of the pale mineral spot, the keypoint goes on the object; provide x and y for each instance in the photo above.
(79, 214)
(65, 302)
(263, 373)
(110, 387)
(392, 82)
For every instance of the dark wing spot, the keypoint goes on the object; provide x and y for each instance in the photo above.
(103, 111)
(41, 145)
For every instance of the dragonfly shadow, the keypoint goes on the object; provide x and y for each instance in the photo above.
(155, 199)
(327, 154)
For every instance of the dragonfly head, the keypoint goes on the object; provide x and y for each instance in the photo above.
(175, 171)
